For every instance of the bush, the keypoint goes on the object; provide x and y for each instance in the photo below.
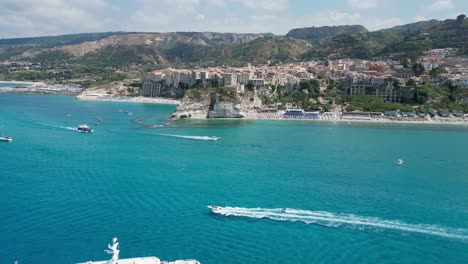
(195, 94)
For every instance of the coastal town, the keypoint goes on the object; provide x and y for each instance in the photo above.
(315, 90)
(330, 82)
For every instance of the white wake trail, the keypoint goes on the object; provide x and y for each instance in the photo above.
(192, 137)
(343, 220)
(68, 128)
(59, 127)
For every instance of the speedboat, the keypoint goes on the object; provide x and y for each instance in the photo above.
(214, 208)
(6, 138)
(84, 129)
(399, 162)
(214, 138)
(283, 210)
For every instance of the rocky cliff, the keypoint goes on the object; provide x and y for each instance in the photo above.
(216, 103)
(195, 104)
(222, 108)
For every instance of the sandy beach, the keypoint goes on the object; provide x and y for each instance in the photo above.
(279, 116)
(127, 99)
(432, 121)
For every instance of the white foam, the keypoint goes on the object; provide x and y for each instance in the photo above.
(343, 220)
(191, 137)
(59, 127)
(68, 128)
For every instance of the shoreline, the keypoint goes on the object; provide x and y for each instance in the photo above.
(460, 123)
(34, 91)
(20, 82)
(153, 100)
(126, 99)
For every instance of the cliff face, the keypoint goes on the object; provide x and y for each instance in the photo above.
(212, 103)
(195, 104)
(226, 109)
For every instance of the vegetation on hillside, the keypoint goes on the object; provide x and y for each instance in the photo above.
(403, 41)
(317, 34)
(55, 41)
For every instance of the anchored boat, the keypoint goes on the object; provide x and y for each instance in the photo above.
(114, 250)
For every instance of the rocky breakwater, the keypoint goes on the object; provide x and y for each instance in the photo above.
(222, 102)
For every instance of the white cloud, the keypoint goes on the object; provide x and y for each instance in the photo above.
(440, 5)
(419, 18)
(46, 17)
(330, 18)
(273, 5)
(363, 4)
(379, 23)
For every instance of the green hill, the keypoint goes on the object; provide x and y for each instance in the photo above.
(54, 41)
(403, 41)
(413, 28)
(317, 34)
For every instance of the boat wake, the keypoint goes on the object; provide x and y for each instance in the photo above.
(68, 128)
(342, 220)
(212, 138)
(58, 127)
(61, 127)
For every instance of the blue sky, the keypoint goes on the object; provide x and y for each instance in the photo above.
(25, 18)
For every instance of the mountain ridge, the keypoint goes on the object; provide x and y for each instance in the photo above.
(120, 49)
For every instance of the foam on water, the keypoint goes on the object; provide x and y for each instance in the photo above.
(343, 220)
(59, 127)
(68, 128)
(191, 137)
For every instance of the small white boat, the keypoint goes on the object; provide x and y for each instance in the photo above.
(399, 162)
(6, 138)
(214, 138)
(215, 208)
(84, 129)
(283, 210)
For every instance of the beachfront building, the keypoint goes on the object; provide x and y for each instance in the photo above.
(382, 87)
(300, 114)
(358, 115)
(230, 79)
(151, 85)
(244, 77)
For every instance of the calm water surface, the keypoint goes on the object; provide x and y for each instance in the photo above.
(64, 195)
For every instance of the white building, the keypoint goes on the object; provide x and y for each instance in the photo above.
(230, 79)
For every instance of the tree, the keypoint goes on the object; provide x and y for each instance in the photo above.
(410, 82)
(406, 63)
(437, 71)
(250, 86)
(418, 69)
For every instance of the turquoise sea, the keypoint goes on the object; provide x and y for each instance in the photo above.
(64, 195)
(8, 85)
